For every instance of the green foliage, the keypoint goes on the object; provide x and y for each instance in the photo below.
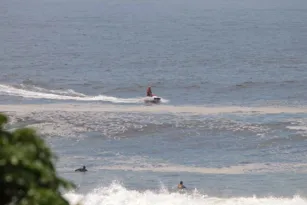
(27, 173)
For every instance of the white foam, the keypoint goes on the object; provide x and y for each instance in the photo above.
(41, 93)
(299, 125)
(61, 92)
(302, 128)
(116, 194)
(198, 110)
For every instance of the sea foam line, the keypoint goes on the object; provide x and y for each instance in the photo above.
(197, 110)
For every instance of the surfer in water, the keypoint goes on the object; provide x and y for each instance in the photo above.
(83, 169)
(149, 92)
(181, 186)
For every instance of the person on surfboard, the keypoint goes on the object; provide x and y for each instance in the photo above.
(83, 169)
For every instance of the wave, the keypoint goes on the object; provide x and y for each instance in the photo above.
(122, 124)
(116, 194)
(192, 110)
(34, 92)
(250, 84)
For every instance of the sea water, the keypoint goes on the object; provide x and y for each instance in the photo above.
(231, 74)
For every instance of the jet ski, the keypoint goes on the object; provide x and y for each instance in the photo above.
(152, 99)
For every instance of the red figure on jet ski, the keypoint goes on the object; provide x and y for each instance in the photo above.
(151, 98)
(149, 92)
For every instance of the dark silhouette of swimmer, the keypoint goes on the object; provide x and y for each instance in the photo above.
(83, 169)
(181, 186)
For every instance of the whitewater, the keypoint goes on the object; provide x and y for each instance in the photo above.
(117, 194)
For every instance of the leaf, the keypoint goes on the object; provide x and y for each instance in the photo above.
(27, 171)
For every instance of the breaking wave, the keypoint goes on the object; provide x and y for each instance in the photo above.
(116, 194)
(42, 93)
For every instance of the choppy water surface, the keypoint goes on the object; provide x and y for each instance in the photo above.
(232, 77)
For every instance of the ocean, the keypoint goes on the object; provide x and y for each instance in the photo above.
(232, 124)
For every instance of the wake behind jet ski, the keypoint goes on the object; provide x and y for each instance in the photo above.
(151, 98)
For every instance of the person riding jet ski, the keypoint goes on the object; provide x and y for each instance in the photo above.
(149, 92)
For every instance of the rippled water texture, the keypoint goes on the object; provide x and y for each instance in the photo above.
(232, 79)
